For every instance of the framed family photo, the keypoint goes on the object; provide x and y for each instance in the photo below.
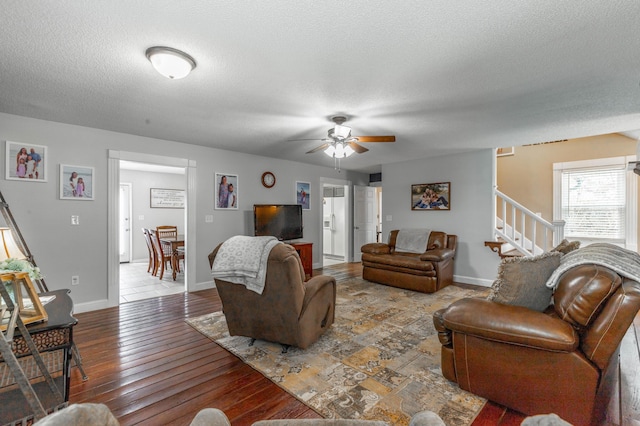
(26, 162)
(77, 183)
(226, 185)
(431, 196)
(303, 194)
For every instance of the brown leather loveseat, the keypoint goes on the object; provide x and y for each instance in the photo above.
(426, 269)
(561, 361)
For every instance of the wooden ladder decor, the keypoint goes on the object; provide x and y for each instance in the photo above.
(10, 359)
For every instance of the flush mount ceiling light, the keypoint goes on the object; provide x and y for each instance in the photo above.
(170, 62)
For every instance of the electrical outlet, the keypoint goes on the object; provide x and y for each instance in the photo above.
(208, 218)
(75, 220)
(75, 280)
(389, 218)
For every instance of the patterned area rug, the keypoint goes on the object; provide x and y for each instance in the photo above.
(380, 360)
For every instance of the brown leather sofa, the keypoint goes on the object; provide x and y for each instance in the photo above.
(289, 311)
(426, 272)
(561, 361)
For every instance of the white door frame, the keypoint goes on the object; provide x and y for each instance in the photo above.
(113, 212)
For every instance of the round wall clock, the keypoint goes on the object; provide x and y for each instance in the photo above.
(268, 179)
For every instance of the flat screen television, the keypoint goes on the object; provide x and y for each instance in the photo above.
(283, 221)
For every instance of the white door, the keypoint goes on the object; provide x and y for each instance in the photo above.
(364, 218)
(125, 222)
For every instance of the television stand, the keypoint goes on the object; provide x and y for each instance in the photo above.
(305, 251)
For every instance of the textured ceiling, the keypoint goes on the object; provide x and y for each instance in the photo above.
(442, 76)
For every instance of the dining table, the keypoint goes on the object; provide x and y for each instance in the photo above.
(177, 249)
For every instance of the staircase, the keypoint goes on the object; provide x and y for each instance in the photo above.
(520, 232)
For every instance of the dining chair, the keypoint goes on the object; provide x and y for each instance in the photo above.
(151, 249)
(167, 231)
(164, 254)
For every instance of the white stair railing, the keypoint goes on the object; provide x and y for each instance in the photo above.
(523, 229)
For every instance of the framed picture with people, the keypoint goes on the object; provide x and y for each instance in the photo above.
(77, 183)
(303, 190)
(26, 162)
(226, 195)
(431, 196)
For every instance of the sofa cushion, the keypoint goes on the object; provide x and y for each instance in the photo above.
(404, 260)
(522, 281)
(583, 292)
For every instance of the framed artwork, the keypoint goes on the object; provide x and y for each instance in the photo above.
(226, 185)
(77, 183)
(26, 162)
(167, 198)
(503, 152)
(303, 193)
(431, 196)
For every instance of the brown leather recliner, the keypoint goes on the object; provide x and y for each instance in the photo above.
(426, 272)
(561, 361)
(289, 311)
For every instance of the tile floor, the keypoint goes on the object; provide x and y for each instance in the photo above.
(137, 284)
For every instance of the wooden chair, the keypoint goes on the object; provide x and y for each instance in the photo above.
(163, 256)
(152, 251)
(167, 231)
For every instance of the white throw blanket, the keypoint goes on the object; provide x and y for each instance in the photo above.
(412, 240)
(243, 260)
(624, 262)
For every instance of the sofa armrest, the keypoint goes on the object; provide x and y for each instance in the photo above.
(510, 324)
(376, 248)
(437, 255)
(315, 285)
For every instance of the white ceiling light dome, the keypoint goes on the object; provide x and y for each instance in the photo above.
(171, 63)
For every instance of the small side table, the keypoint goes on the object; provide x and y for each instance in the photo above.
(305, 251)
(53, 339)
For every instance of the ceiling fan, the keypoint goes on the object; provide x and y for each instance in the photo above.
(339, 143)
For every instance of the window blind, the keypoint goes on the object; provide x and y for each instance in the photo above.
(593, 203)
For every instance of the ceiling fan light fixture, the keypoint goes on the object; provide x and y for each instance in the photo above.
(171, 63)
(330, 150)
(341, 132)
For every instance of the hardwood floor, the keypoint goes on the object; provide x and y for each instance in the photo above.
(150, 367)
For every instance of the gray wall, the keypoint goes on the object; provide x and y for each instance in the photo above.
(62, 250)
(470, 217)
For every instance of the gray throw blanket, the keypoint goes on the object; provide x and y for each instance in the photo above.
(624, 262)
(412, 240)
(243, 260)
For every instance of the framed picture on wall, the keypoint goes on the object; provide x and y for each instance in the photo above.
(167, 198)
(431, 196)
(77, 183)
(226, 185)
(303, 194)
(26, 162)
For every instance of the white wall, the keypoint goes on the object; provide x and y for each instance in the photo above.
(141, 184)
(471, 177)
(62, 250)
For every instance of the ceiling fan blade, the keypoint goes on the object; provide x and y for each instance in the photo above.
(314, 139)
(358, 148)
(376, 138)
(320, 148)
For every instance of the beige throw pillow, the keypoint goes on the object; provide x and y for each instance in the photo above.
(521, 281)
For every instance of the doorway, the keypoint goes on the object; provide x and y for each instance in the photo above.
(334, 224)
(186, 221)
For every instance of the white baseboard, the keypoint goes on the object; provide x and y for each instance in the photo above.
(471, 280)
(205, 285)
(90, 306)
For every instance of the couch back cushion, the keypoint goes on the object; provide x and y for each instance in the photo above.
(582, 292)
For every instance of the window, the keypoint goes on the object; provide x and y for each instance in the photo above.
(596, 199)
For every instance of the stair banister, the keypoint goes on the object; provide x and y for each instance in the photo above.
(526, 241)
